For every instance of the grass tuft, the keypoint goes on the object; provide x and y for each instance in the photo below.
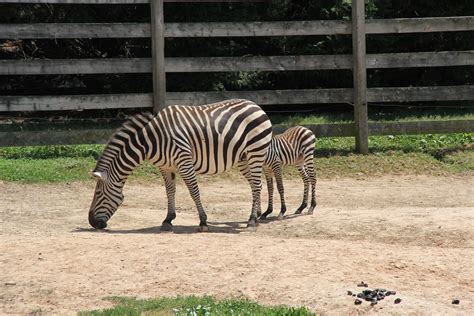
(194, 306)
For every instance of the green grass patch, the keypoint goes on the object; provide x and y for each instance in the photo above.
(194, 306)
(335, 157)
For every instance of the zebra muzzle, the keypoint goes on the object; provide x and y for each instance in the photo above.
(97, 223)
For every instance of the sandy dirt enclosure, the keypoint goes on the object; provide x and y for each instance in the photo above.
(414, 235)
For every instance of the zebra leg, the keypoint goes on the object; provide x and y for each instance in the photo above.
(305, 178)
(312, 178)
(186, 170)
(252, 171)
(279, 180)
(269, 178)
(170, 185)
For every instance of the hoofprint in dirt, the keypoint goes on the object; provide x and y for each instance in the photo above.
(414, 235)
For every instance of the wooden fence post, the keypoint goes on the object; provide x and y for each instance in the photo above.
(158, 55)
(360, 76)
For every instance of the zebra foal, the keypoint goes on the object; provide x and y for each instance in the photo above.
(188, 140)
(293, 147)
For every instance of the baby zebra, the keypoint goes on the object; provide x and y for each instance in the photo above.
(293, 147)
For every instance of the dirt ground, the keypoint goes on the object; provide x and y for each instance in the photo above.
(414, 235)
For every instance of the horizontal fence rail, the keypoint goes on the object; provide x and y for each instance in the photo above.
(232, 64)
(235, 29)
(262, 97)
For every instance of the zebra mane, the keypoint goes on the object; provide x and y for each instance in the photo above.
(131, 125)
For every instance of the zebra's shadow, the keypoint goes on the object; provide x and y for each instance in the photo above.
(177, 229)
(228, 227)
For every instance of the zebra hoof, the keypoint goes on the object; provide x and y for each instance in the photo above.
(310, 212)
(298, 211)
(166, 227)
(251, 228)
(203, 229)
(280, 217)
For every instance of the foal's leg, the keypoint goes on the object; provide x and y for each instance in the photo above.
(279, 180)
(309, 166)
(305, 178)
(170, 185)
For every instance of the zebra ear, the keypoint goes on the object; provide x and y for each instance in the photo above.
(96, 174)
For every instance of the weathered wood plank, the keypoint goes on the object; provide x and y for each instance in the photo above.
(74, 102)
(158, 55)
(419, 94)
(229, 64)
(111, 101)
(186, 64)
(420, 25)
(258, 63)
(234, 29)
(75, 66)
(423, 59)
(360, 76)
(263, 97)
(75, 30)
(214, 29)
(421, 127)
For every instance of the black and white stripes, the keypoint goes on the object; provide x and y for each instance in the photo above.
(188, 140)
(293, 147)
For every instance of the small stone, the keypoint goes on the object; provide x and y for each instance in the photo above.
(397, 300)
(357, 302)
(10, 283)
(349, 292)
(353, 295)
(360, 295)
(362, 284)
(455, 301)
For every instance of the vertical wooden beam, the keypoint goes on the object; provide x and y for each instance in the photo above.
(360, 76)
(158, 54)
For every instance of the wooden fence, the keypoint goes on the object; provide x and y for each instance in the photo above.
(360, 95)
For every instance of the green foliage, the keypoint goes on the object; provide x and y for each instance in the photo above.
(195, 306)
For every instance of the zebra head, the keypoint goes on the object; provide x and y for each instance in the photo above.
(107, 198)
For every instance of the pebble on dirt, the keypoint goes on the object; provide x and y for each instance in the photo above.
(397, 300)
(455, 301)
(357, 302)
(362, 284)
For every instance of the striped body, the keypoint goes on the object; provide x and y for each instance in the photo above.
(188, 140)
(293, 147)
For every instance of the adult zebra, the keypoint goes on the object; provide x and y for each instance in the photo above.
(293, 147)
(188, 140)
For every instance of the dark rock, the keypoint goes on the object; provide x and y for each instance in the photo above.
(362, 284)
(397, 300)
(349, 292)
(455, 301)
(357, 302)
